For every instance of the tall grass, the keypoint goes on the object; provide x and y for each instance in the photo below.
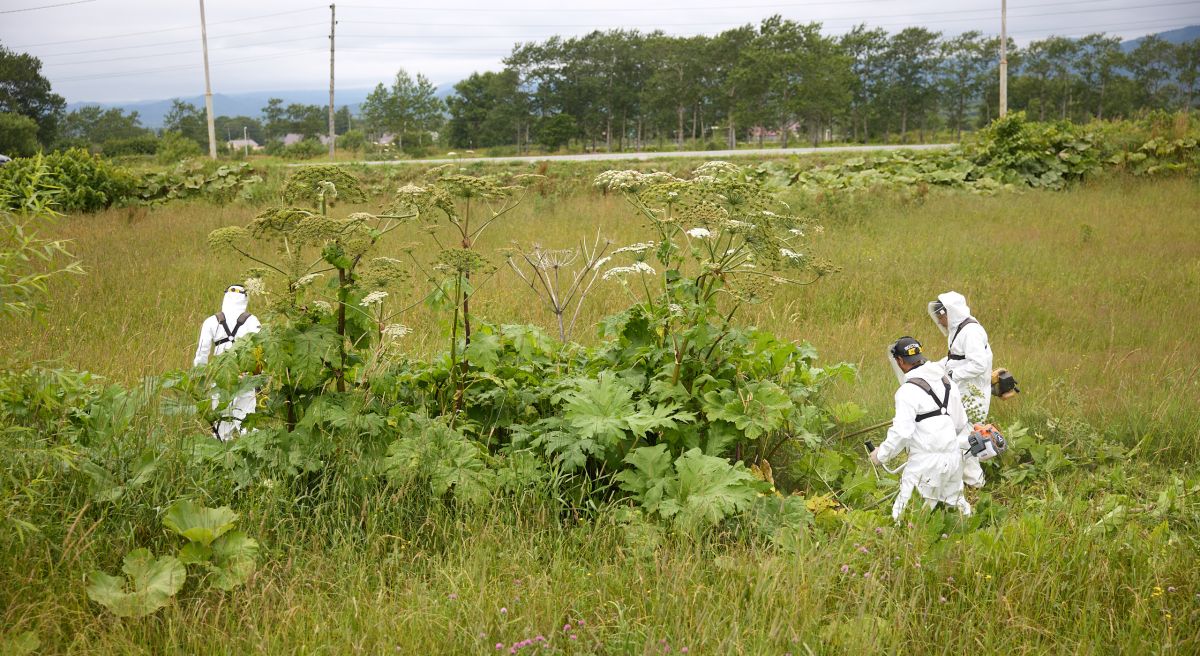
(1086, 295)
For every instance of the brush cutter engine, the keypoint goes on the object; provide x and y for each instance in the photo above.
(986, 442)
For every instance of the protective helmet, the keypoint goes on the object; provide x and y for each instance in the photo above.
(937, 307)
(236, 289)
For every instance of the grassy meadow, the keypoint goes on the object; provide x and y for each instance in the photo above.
(1088, 296)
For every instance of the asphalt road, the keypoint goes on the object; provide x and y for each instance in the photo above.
(709, 154)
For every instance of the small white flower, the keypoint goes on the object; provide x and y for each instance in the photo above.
(635, 248)
(675, 309)
(601, 262)
(323, 306)
(395, 331)
(699, 233)
(255, 287)
(797, 231)
(643, 267)
(790, 254)
(374, 298)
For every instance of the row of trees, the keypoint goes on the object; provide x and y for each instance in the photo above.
(619, 88)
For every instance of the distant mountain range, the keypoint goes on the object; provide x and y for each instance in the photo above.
(1181, 35)
(251, 104)
(243, 104)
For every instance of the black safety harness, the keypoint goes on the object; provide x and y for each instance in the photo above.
(943, 404)
(230, 335)
(966, 322)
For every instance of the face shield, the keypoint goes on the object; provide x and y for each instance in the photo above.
(937, 310)
(907, 349)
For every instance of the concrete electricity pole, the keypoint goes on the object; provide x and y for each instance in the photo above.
(332, 26)
(1003, 58)
(212, 130)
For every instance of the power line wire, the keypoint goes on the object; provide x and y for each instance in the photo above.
(192, 51)
(855, 20)
(176, 41)
(167, 29)
(61, 4)
(190, 66)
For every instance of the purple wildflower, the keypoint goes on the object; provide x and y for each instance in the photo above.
(866, 575)
(499, 646)
(567, 626)
(503, 611)
(452, 596)
(574, 637)
(845, 569)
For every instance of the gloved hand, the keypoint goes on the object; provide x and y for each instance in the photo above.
(875, 456)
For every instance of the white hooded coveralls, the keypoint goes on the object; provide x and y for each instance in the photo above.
(935, 460)
(969, 362)
(233, 305)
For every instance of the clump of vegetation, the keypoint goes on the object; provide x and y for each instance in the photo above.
(78, 180)
(195, 179)
(1014, 153)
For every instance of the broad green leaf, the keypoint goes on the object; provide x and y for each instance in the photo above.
(151, 583)
(651, 476)
(198, 523)
(233, 556)
(20, 644)
(710, 489)
(194, 553)
(484, 351)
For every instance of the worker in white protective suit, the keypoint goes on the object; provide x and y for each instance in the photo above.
(217, 335)
(968, 361)
(930, 423)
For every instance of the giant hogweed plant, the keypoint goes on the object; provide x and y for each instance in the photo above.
(321, 327)
(465, 206)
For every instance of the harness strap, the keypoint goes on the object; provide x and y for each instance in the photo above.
(954, 356)
(230, 335)
(965, 322)
(943, 404)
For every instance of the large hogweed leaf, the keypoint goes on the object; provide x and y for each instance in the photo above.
(443, 458)
(755, 408)
(695, 491)
(150, 585)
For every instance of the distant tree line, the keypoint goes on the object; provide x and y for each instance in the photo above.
(622, 88)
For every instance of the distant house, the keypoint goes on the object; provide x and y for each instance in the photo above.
(242, 144)
(385, 139)
(292, 138)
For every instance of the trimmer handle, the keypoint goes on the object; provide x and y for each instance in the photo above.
(870, 446)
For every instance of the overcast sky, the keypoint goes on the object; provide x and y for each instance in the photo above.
(109, 50)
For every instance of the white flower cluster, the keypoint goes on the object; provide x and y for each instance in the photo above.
(636, 267)
(374, 298)
(255, 287)
(675, 309)
(796, 231)
(699, 233)
(394, 331)
(635, 248)
(307, 280)
(790, 254)
(631, 180)
(716, 168)
(411, 189)
(323, 306)
(734, 224)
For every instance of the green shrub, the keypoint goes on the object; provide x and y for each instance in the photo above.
(141, 145)
(173, 148)
(18, 135)
(80, 181)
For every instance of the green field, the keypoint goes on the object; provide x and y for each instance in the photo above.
(1088, 295)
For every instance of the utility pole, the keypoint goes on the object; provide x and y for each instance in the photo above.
(245, 142)
(332, 26)
(1003, 58)
(212, 130)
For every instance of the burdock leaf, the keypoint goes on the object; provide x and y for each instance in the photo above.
(233, 559)
(199, 524)
(152, 582)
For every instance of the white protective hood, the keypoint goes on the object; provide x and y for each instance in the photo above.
(957, 311)
(233, 305)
